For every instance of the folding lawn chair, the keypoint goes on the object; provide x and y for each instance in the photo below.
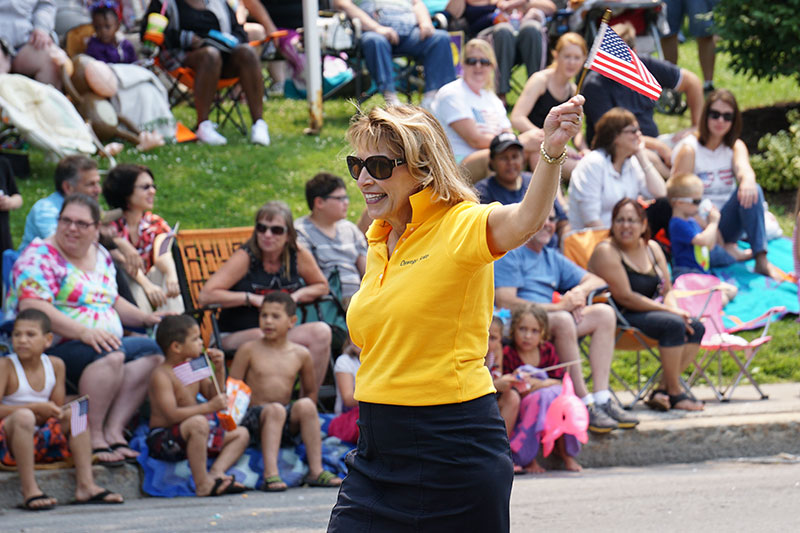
(699, 294)
(578, 247)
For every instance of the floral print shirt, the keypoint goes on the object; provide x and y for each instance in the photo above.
(87, 297)
(150, 226)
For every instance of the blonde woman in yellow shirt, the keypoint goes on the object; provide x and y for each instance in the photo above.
(432, 453)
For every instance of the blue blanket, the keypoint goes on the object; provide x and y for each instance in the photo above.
(170, 480)
(757, 293)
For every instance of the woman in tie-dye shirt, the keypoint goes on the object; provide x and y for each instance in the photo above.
(71, 278)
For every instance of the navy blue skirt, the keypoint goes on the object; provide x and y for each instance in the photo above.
(427, 469)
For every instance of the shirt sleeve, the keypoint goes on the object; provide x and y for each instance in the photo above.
(464, 229)
(449, 109)
(37, 274)
(586, 187)
(681, 231)
(569, 274)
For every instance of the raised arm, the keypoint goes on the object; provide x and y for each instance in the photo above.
(509, 226)
(653, 180)
(683, 163)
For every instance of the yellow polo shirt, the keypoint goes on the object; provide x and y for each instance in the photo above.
(422, 316)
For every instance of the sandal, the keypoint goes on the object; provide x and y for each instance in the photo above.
(28, 507)
(268, 485)
(656, 404)
(120, 448)
(675, 399)
(324, 479)
(101, 498)
(113, 463)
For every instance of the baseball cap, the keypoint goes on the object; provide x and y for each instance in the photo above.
(502, 142)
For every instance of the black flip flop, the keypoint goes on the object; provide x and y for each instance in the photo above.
(656, 405)
(117, 445)
(29, 501)
(99, 498)
(108, 464)
(675, 399)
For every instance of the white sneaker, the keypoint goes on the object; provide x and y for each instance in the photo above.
(207, 133)
(259, 133)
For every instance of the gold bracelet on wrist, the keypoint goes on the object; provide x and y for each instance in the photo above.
(553, 160)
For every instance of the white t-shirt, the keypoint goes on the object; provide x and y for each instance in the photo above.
(456, 101)
(345, 364)
(714, 167)
(596, 186)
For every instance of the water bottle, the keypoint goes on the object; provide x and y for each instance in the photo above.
(515, 19)
(705, 208)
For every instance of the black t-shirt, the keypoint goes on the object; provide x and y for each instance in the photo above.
(8, 186)
(603, 93)
(285, 13)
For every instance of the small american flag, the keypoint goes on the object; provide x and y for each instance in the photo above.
(192, 371)
(80, 416)
(612, 58)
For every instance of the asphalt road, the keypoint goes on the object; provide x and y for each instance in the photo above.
(747, 495)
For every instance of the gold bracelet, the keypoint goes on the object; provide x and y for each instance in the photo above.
(553, 160)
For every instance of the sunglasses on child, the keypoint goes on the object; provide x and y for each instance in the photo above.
(713, 113)
(695, 201)
(379, 167)
(275, 230)
(472, 61)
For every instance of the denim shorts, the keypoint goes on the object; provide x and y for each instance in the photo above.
(78, 355)
(433, 468)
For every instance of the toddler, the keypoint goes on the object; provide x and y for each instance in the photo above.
(104, 45)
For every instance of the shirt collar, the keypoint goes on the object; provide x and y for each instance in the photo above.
(424, 206)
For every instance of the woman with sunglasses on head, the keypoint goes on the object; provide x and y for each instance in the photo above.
(270, 260)
(470, 111)
(432, 454)
(154, 284)
(635, 269)
(616, 168)
(720, 158)
(71, 278)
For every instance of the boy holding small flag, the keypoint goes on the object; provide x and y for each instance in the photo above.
(179, 427)
(33, 423)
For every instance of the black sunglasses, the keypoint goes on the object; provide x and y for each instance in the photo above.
(713, 113)
(472, 61)
(379, 167)
(275, 230)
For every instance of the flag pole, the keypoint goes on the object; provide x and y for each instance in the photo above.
(213, 372)
(606, 18)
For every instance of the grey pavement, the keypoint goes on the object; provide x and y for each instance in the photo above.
(743, 427)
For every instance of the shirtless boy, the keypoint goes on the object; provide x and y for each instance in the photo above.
(33, 427)
(178, 424)
(270, 366)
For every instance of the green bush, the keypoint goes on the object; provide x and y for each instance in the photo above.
(761, 35)
(778, 167)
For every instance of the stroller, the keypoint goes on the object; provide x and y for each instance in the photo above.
(43, 116)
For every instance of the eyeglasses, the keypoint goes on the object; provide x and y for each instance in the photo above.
(147, 187)
(472, 61)
(340, 198)
(80, 224)
(714, 114)
(695, 201)
(633, 130)
(379, 167)
(621, 221)
(275, 230)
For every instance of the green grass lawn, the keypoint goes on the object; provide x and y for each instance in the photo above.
(205, 186)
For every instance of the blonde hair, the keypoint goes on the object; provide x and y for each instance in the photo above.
(683, 185)
(413, 134)
(569, 38)
(537, 312)
(486, 49)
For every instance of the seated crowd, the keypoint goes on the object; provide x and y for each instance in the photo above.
(89, 286)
